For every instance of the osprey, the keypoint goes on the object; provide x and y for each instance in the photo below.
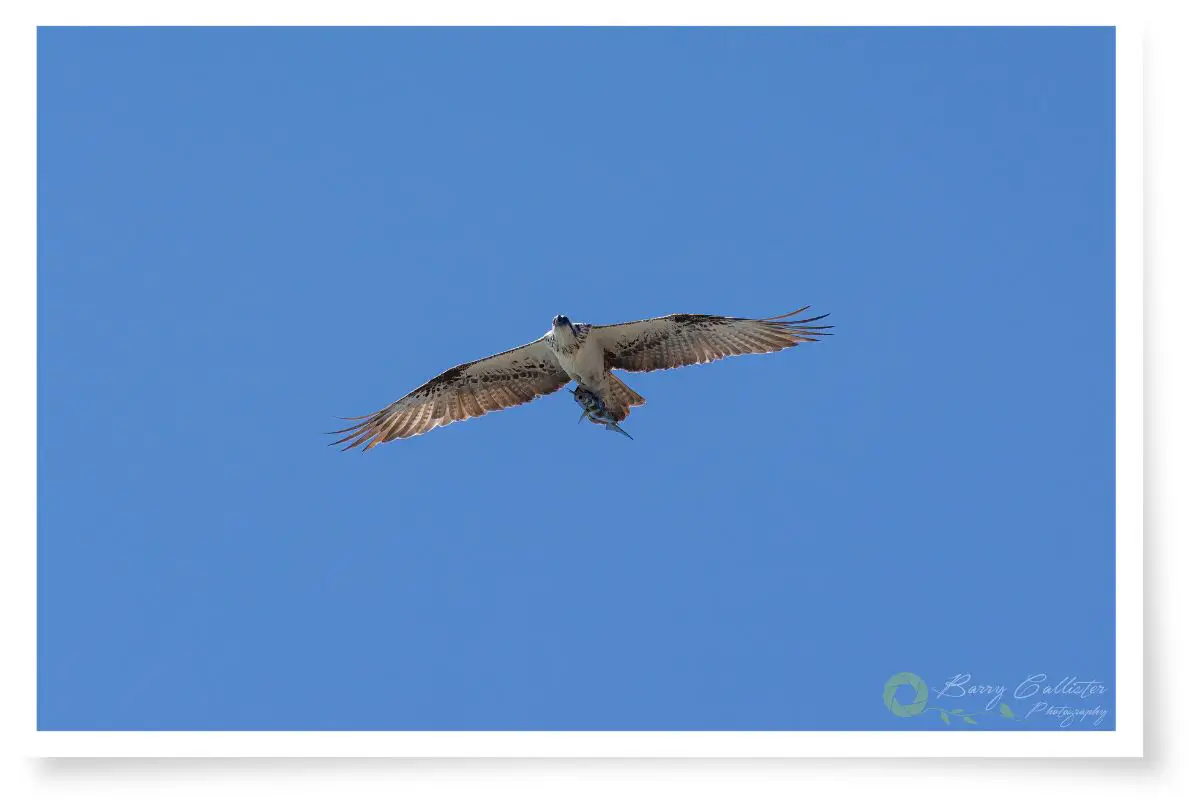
(586, 354)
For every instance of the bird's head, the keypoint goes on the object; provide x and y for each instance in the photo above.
(566, 334)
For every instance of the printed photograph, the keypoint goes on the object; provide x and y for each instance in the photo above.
(576, 379)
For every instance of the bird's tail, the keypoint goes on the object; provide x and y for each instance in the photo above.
(619, 398)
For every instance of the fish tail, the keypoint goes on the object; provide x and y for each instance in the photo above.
(612, 426)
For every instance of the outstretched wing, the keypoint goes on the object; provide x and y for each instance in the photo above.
(469, 390)
(677, 340)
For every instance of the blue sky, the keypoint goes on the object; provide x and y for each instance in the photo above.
(244, 233)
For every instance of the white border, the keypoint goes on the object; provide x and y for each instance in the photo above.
(1125, 741)
(605, 744)
(1127, 335)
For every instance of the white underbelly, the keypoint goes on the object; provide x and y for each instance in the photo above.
(585, 365)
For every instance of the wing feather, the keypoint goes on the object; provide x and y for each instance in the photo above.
(473, 389)
(678, 340)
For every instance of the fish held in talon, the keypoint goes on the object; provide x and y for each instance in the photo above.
(594, 409)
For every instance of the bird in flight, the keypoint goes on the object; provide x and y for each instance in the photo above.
(586, 354)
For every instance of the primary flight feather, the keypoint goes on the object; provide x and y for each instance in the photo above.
(586, 354)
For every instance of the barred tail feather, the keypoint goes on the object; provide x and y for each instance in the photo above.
(619, 398)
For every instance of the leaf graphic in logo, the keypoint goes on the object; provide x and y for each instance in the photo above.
(969, 721)
(957, 711)
(1006, 711)
(945, 718)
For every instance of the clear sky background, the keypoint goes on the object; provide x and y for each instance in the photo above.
(244, 233)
